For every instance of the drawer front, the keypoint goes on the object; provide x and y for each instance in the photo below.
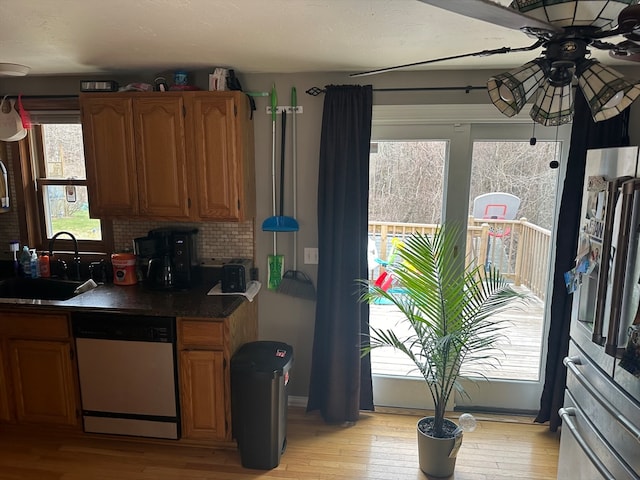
(34, 325)
(603, 411)
(200, 333)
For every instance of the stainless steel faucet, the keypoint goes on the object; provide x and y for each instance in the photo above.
(76, 256)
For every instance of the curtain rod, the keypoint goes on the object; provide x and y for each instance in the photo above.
(315, 91)
(39, 97)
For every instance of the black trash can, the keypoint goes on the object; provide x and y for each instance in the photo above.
(259, 378)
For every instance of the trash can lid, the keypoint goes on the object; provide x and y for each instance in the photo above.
(262, 356)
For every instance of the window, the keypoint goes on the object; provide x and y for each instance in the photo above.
(52, 162)
(61, 182)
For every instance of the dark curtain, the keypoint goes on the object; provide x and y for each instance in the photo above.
(585, 134)
(340, 379)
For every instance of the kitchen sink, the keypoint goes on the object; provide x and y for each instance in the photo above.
(39, 288)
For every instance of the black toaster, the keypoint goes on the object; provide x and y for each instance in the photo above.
(236, 274)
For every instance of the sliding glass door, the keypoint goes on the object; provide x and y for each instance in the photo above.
(489, 176)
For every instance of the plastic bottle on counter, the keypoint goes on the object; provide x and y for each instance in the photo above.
(14, 247)
(34, 264)
(45, 267)
(25, 261)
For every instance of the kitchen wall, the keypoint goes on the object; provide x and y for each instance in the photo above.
(282, 317)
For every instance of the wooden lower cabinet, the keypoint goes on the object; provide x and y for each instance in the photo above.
(43, 382)
(205, 350)
(37, 371)
(5, 413)
(39, 382)
(203, 394)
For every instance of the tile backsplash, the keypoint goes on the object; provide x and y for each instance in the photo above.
(214, 239)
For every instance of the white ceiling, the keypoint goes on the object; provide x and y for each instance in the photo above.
(253, 36)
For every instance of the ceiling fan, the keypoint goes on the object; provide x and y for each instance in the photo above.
(565, 29)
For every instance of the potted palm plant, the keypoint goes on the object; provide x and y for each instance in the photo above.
(449, 312)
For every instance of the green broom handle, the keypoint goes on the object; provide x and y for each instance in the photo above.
(294, 104)
(274, 110)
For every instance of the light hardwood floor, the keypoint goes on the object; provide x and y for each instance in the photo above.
(380, 446)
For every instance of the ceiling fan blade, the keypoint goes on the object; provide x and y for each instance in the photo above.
(626, 50)
(492, 12)
(482, 53)
(629, 19)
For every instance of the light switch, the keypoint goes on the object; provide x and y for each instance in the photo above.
(311, 256)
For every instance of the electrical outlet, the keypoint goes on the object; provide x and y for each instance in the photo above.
(311, 256)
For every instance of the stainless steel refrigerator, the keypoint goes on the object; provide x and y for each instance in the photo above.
(600, 436)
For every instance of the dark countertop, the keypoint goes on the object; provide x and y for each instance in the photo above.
(138, 299)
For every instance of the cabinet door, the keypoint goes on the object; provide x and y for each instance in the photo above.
(202, 395)
(43, 382)
(160, 156)
(108, 147)
(5, 414)
(215, 158)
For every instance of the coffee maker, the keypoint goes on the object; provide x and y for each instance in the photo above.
(167, 258)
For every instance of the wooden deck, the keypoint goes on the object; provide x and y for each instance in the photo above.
(519, 354)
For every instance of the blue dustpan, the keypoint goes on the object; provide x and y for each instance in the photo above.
(280, 224)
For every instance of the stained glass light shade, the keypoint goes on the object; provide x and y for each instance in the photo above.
(601, 14)
(607, 92)
(510, 91)
(553, 105)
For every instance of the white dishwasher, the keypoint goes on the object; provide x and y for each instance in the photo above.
(127, 370)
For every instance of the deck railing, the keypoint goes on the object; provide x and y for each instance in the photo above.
(517, 248)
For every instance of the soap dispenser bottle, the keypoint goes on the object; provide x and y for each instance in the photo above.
(34, 265)
(25, 261)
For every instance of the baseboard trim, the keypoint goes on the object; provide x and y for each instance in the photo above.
(295, 401)
(515, 416)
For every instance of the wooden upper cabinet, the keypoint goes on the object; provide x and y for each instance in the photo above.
(214, 157)
(223, 155)
(190, 155)
(160, 156)
(107, 124)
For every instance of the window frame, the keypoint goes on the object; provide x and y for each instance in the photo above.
(28, 155)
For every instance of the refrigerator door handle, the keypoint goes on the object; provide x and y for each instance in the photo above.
(613, 191)
(628, 189)
(572, 364)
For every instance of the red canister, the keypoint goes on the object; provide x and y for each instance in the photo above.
(124, 269)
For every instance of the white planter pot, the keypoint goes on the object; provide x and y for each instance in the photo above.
(437, 456)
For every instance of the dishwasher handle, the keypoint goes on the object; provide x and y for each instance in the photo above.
(124, 327)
